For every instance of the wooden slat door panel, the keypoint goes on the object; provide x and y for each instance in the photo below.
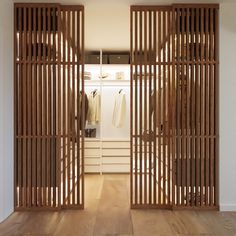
(72, 106)
(36, 180)
(174, 106)
(39, 106)
(151, 134)
(196, 65)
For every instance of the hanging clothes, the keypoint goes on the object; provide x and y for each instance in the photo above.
(94, 107)
(119, 110)
(76, 111)
(82, 121)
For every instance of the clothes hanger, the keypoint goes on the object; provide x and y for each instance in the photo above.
(94, 91)
(120, 90)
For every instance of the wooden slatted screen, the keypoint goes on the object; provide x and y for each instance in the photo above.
(174, 106)
(151, 136)
(195, 72)
(72, 106)
(41, 133)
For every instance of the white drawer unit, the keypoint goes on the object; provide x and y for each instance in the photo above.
(107, 156)
(115, 156)
(92, 156)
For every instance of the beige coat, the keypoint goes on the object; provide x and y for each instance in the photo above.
(94, 108)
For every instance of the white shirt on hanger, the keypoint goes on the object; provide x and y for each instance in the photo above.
(119, 110)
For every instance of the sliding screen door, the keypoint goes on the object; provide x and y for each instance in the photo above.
(71, 100)
(174, 106)
(151, 120)
(195, 71)
(48, 52)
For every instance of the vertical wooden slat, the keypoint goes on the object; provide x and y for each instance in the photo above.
(216, 187)
(59, 104)
(211, 110)
(82, 67)
(24, 90)
(145, 107)
(73, 107)
(39, 113)
(19, 123)
(34, 110)
(198, 150)
(16, 77)
(44, 105)
(169, 111)
(202, 97)
(83, 105)
(188, 85)
(192, 109)
(68, 106)
(131, 105)
(78, 110)
(29, 122)
(155, 48)
(182, 107)
(164, 41)
(54, 76)
(49, 131)
(178, 129)
(151, 50)
(136, 108)
(173, 111)
(207, 105)
(49, 108)
(141, 108)
(64, 106)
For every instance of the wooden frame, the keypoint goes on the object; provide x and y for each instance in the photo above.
(183, 41)
(42, 114)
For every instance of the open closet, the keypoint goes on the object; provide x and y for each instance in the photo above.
(107, 130)
(151, 112)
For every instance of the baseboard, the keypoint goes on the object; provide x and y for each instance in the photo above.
(228, 207)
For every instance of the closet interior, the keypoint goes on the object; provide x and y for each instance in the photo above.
(107, 129)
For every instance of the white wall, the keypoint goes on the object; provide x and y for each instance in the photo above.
(227, 107)
(6, 109)
(100, 18)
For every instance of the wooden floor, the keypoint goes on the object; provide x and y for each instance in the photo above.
(107, 213)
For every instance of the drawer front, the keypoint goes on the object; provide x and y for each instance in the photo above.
(92, 169)
(116, 168)
(115, 160)
(114, 144)
(91, 161)
(115, 152)
(91, 144)
(92, 152)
